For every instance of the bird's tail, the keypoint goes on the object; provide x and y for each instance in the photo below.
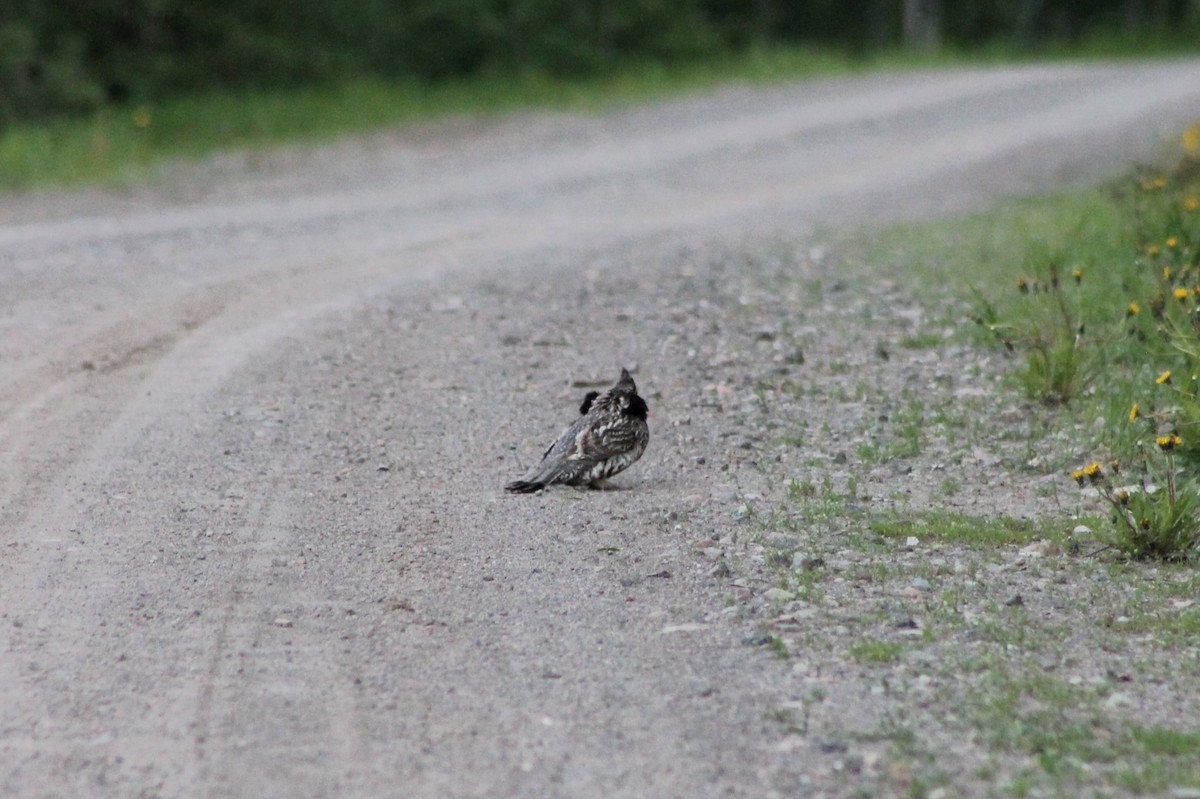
(524, 486)
(549, 471)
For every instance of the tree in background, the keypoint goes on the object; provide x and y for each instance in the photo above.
(922, 24)
(72, 56)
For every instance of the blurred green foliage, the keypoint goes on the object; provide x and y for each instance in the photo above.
(62, 57)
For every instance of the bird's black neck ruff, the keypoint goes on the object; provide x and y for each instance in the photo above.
(637, 408)
(588, 399)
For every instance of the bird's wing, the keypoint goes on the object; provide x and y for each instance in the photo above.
(602, 439)
(565, 444)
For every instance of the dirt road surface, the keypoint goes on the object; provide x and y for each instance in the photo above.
(255, 418)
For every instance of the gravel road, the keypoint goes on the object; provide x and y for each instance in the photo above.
(256, 416)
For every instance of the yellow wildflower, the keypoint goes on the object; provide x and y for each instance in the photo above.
(1165, 377)
(1078, 275)
(1166, 273)
(1168, 443)
(1153, 250)
(1181, 294)
(1093, 472)
(1172, 243)
(1191, 139)
(1132, 309)
(1134, 412)
(1191, 204)
(1078, 475)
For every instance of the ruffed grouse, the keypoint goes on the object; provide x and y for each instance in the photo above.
(610, 435)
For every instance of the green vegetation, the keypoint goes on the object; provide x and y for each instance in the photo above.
(77, 56)
(876, 652)
(124, 141)
(95, 90)
(963, 528)
(1098, 296)
(1051, 650)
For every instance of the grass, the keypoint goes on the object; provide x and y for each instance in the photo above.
(1066, 731)
(967, 529)
(876, 652)
(1065, 672)
(125, 142)
(1096, 295)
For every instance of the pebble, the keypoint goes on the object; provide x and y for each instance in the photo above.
(721, 570)
(1118, 699)
(1037, 549)
(779, 595)
(921, 584)
(690, 627)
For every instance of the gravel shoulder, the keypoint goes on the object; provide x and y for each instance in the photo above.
(255, 432)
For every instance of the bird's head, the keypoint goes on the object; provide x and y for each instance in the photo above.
(625, 392)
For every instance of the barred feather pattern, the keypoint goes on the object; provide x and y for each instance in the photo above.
(609, 437)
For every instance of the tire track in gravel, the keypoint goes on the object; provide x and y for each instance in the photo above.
(159, 512)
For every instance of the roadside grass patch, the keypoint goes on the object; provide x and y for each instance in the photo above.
(809, 506)
(1096, 297)
(876, 652)
(1070, 731)
(968, 529)
(922, 340)
(901, 434)
(124, 143)
(1172, 627)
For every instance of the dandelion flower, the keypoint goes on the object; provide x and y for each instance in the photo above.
(1115, 466)
(1181, 294)
(1078, 275)
(1191, 204)
(1153, 250)
(1165, 377)
(1191, 139)
(1172, 243)
(1078, 475)
(1134, 412)
(1168, 443)
(1132, 309)
(1093, 472)
(1166, 273)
